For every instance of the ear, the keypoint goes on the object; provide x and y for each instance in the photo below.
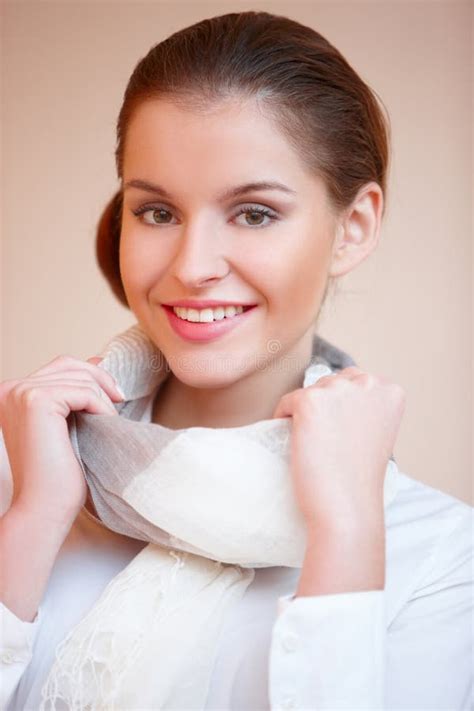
(357, 230)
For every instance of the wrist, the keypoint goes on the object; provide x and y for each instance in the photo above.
(343, 558)
(40, 521)
(365, 521)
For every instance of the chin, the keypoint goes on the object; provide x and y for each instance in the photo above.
(205, 379)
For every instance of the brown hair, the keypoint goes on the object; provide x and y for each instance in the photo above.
(335, 122)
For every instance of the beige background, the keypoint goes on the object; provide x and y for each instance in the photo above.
(405, 313)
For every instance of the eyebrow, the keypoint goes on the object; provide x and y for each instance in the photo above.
(226, 195)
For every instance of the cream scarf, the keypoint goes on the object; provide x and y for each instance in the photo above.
(212, 503)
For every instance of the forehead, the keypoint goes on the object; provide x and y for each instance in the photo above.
(232, 140)
(231, 120)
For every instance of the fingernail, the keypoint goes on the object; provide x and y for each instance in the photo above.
(120, 391)
(97, 360)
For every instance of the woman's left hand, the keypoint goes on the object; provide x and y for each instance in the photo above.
(344, 429)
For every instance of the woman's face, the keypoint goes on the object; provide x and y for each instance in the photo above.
(268, 247)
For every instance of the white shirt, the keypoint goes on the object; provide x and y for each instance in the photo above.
(408, 646)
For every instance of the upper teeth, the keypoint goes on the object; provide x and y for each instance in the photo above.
(209, 314)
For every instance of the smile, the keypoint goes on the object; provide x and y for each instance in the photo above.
(207, 315)
(206, 324)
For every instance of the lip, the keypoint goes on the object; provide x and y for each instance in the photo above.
(203, 332)
(204, 303)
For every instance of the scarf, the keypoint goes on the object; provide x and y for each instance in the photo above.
(213, 504)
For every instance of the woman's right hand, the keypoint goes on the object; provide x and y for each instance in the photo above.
(47, 478)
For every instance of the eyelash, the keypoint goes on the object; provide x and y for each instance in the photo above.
(243, 210)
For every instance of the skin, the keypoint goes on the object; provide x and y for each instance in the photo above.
(199, 247)
(208, 252)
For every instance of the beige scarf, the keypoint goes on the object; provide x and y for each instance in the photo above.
(212, 503)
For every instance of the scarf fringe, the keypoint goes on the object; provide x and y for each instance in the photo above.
(98, 664)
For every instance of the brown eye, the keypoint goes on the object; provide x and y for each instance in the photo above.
(158, 214)
(255, 216)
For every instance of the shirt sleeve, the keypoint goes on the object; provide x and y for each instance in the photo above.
(335, 651)
(327, 652)
(429, 643)
(17, 638)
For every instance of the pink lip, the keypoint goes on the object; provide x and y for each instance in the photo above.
(202, 332)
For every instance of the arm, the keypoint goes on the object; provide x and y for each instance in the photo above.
(29, 546)
(16, 636)
(334, 650)
(27, 553)
(328, 643)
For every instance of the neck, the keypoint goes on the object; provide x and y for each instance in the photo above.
(249, 399)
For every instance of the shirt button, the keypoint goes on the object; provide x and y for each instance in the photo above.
(290, 642)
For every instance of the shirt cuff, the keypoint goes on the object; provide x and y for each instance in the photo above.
(17, 636)
(328, 652)
(283, 602)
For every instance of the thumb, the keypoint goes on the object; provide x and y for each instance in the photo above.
(284, 407)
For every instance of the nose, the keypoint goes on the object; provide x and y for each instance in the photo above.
(198, 257)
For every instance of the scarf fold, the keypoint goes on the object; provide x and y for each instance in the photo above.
(213, 504)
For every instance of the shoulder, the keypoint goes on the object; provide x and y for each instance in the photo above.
(418, 501)
(429, 544)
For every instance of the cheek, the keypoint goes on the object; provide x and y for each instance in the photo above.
(139, 265)
(295, 278)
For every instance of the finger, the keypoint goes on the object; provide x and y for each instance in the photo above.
(286, 405)
(95, 360)
(65, 363)
(351, 371)
(79, 377)
(66, 393)
(86, 397)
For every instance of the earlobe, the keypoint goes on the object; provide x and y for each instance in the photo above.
(357, 233)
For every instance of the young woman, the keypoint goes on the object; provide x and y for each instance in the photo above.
(252, 162)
